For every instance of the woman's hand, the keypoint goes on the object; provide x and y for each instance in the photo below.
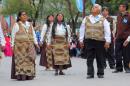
(40, 44)
(2, 48)
(69, 45)
(37, 46)
(49, 46)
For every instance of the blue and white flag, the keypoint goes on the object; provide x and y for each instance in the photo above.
(93, 1)
(79, 4)
(7, 18)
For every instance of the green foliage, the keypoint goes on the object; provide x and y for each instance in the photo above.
(54, 7)
(112, 4)
(14, 6)
(47, 7)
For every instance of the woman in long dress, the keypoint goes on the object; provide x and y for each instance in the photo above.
(58, 40)
(23, 41)
(46, 54)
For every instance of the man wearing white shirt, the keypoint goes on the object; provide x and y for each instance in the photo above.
(96, 31)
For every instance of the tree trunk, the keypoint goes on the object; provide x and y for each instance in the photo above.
(84, 1)
(37, 9)
(71, 14)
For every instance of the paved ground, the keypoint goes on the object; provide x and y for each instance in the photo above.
(75, 76)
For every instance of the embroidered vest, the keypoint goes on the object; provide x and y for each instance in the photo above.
(95, 31)
(22, 35)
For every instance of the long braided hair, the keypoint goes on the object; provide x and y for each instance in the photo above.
(47, 20)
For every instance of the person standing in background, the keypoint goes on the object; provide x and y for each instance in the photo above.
(122, 55)
(109, 54)
(46, 53)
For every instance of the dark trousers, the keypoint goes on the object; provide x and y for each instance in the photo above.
(73, 52)
(109, 54)
(95, 49)
(122, 55)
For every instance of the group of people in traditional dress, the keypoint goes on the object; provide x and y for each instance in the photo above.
(97, 36)
(54, 43)
(55, 39)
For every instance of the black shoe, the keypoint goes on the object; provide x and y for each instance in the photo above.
(105, 66)
(61, 73)
(90, 76)
(112, 67)
(127, 70)
(117, 71)
(100, 76)
(56, 74)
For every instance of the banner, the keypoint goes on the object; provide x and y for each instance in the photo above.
(93, 1)
(7, 18)
(79, 4)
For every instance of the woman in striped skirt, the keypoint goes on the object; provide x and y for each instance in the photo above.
(58, 40)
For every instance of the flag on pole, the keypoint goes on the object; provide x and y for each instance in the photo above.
(7, 18)
(79, 4)
(93, 1)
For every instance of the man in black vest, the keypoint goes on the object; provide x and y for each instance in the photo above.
(122, 53)
(109, 54)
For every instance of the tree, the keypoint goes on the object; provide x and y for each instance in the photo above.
(72, 12)
(112, 4)
(67, 7)
(32, 7)
(14, 6)
(37, 5)
(39, 9)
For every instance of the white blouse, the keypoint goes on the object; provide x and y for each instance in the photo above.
(2, 39)
(45, 32)
(16, 29)
(60, 31)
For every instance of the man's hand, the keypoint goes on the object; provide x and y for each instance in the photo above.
(114, 39)
(125, 43)
(107, 45)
